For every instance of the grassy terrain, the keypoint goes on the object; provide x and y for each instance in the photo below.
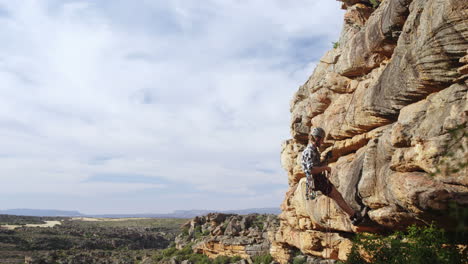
(127, 240)
(103, 241)
(163, 224)
(20, 220)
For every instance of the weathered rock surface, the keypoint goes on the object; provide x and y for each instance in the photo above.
(393, 99)
(230, 235)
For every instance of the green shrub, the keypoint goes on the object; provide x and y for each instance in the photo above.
(263, 259)
(224, 226)
(417, 245)
(187, 250)
(259, 221)
(197, 233)
(165, 254)
(336, 45)
(199, 259)
(225, 259)
(299, 260)
(168, 252)
(185, 232)
(294, 251)
(187, 254)
(375, 3)
(460, 216)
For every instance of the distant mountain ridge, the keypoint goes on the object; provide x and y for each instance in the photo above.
(40, 212)
(175, 214)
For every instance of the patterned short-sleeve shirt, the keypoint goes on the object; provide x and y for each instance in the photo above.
(310, 159)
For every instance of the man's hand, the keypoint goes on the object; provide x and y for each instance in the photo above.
(327, 169)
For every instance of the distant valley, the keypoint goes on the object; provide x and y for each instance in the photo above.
(82, 239)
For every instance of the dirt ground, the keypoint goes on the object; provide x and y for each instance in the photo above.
(47, 224)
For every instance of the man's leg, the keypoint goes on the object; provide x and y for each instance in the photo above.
(338, 198)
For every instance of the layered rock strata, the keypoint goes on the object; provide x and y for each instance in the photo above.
(393, 99)
(229, 235)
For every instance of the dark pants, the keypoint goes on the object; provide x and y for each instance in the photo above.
(322, 183)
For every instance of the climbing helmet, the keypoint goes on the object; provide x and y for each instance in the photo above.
(318, 132)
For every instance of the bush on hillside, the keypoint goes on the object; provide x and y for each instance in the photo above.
(187, 254)
(418, 245)
(263, 259)
(375, 3)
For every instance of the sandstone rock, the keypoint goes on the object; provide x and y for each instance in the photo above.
(344, 147)
(393, 99)
(231, 235)
(291, 160)
(422, 131)
(392, 217)
(233, 228)
(218, 231)
(358, 14)
(376, 165)
(325, 245)
(369, 47)
(299, 123)
(346, 116)
(350, 3)
(463, 70)
(280, 252)
(434, 38)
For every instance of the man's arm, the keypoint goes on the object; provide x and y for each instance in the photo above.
(324, 163)
(308, 164)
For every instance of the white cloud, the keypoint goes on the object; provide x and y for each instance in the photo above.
(185, 91)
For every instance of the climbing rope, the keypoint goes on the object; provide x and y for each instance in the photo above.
(328, 228)
(328, 217)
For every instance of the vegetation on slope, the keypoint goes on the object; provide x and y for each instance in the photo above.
(416, 245)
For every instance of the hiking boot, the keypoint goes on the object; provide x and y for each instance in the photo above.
(365, 211)
(356, 219)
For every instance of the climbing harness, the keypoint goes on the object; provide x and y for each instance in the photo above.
(310, 193)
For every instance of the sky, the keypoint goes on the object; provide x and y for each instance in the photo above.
(152, 106)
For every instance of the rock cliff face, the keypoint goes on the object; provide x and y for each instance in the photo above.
(389, 97)
(230, 235)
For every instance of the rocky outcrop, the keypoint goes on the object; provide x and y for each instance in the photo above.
(392, 97)
(229, 235)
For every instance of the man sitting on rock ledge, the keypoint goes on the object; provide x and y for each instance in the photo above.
(315, 175)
